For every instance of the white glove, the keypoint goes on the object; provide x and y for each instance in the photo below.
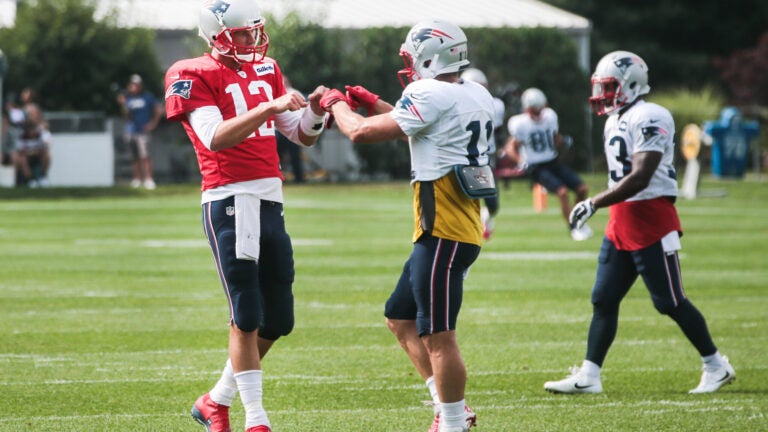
(580, 213)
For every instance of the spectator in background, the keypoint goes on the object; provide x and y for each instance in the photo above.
(534, 139)
(288, 148)
(32, 156)
(143, 113)
(7, 153)
(491, 208)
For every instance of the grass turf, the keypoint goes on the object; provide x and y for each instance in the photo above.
(113, 317)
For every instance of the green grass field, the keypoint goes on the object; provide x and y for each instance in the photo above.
(113, 319)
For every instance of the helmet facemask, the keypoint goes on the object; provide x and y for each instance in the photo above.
(606, 95)
(224, 43)
(407, 74)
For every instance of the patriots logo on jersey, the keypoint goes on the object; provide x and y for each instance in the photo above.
(181, 88)
(623, 63)
(652, 131)
(427, 33)
(218, 7)
(407, 104)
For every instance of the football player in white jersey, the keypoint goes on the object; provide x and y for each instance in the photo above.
(642, 237)
(533, 142)
(449, 123)
(491, 208)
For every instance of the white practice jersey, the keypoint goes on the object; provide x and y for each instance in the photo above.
(643, 127)
(537, 136)
(447, 124)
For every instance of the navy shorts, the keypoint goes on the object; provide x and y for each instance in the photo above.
(552, 175)
(618, 270)
(260, 295)
(431, 286)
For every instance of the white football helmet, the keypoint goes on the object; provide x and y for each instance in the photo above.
(476, 75)
(220, 18)
(620, 78)
(432, 48)
(533, 98)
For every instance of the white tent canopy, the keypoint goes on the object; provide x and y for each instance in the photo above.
(182, 14)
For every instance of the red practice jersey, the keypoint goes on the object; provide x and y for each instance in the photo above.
(204, 82)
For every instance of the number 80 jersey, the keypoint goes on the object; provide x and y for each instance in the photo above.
(447, 124)
(643, 127)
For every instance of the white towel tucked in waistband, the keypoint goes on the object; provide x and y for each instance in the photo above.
(247, 226)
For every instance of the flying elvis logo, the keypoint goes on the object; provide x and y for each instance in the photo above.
(218, 7)
(623, 63)
(652, 131)
(407, 104)
(181, 88)
(427, 33)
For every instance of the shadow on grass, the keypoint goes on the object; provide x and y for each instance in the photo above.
(53, 193)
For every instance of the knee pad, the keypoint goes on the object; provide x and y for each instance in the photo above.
(246, 310)
(282, 327)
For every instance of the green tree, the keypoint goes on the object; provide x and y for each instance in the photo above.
(73, 60)
(677, 39)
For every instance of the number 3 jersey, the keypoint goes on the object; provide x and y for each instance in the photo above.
(643, 127)
(447, 124)
(649, 215)
(204, 82)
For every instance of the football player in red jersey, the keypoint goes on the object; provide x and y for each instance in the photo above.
(643, 233)
(230, 102)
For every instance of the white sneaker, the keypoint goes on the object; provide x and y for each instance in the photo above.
(577, 382)
(581, 234)
(713, 379)
(454, 429)
(44, 182)
(149, 184)
(469, 416)
(135, 183)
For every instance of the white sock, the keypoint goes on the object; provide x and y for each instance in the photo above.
(226, 388)
(713, 361)
(452, 415)
(433, 393)
(591, 369)
(249, 385)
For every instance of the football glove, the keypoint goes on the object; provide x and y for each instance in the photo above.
(580, 213)
(360, 96)
(331, 97)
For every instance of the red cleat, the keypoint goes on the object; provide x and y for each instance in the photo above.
(261, 428)
(214, 416)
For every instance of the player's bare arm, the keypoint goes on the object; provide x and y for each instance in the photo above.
(359, 129)
(511, 149)
(644, 164)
